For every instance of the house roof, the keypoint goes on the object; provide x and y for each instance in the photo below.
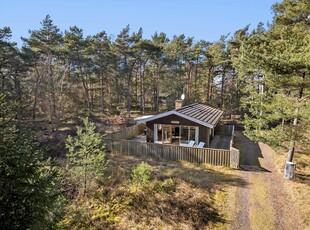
(197, 112)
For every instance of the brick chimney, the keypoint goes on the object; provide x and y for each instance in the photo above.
(178, 104)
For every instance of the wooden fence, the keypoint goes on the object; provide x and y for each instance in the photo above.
(127, 133)
(116, 142)
(172, 152)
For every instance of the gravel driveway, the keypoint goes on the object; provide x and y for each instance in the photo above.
(265, 202)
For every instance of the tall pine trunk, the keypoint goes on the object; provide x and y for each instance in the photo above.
(223, 87)
(101, 95)
(292, 144)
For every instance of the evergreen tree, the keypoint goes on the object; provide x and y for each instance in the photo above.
(86, 157)
(156, 67)
(76, 47)
(275, 73)
(30, 195)
(42, 50)
(104, 62)
(126, 48)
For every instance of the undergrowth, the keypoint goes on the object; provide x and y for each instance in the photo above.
(140, 196)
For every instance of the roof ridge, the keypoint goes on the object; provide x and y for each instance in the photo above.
(197, 112)
(186, 106)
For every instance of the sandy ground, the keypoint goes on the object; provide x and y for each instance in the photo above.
(265, 202)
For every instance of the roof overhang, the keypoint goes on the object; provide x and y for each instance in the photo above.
(174, 112)
(141, 119)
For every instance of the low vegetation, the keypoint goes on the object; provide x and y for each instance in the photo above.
(300, 186)
(179, 195)
(138, 192)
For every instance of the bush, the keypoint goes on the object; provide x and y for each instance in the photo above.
(141, 175)
(86, 156)
(166, 186)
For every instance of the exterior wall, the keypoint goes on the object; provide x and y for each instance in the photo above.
(208, 137)
(203, 131)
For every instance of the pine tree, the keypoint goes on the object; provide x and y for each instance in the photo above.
(30, 195)
(275, 74)
(86, 157)
(42, 50)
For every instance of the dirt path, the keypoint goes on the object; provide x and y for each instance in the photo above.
(265, 202)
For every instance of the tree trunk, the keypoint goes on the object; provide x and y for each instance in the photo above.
(18, 97)
(85, 182)
(101, 95)
(35, 100)
(292, 144)
(222, 87)
(195, 83)
(209, 85)
(53, 110)
(86, 93)
(136, 88)
(2, 86)
(128, 94)
(301, 90)
(290, 154)
(92, 96)
(143, 91)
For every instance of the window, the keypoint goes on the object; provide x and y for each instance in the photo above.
(189, 133)
(175, 134)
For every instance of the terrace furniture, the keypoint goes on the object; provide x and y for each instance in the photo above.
(201, 144)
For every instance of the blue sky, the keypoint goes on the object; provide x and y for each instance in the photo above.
(202, 19)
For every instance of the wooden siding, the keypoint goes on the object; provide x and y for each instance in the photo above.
(203, 131)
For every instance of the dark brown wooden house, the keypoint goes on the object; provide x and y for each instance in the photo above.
(193, 123)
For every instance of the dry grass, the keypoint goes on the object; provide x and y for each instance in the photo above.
(197, 199)
(300, 186)
(185, 206)
(197, 202)
(261, 213)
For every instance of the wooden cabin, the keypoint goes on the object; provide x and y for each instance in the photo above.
(194, 123)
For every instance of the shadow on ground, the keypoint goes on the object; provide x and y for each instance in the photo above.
(250, 153)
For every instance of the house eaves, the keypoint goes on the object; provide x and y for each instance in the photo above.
(197, 112)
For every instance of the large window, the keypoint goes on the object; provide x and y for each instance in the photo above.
(188, 133)
(175, 134)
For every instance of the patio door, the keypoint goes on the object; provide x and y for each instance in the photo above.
(167, 134)
(175, 134)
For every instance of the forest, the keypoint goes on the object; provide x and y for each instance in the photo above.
(261, 75)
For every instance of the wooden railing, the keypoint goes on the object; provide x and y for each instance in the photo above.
(220, 157)
(126, 133)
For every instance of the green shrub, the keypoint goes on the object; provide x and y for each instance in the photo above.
(86, 156)
(141, 175)
(166, 186)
